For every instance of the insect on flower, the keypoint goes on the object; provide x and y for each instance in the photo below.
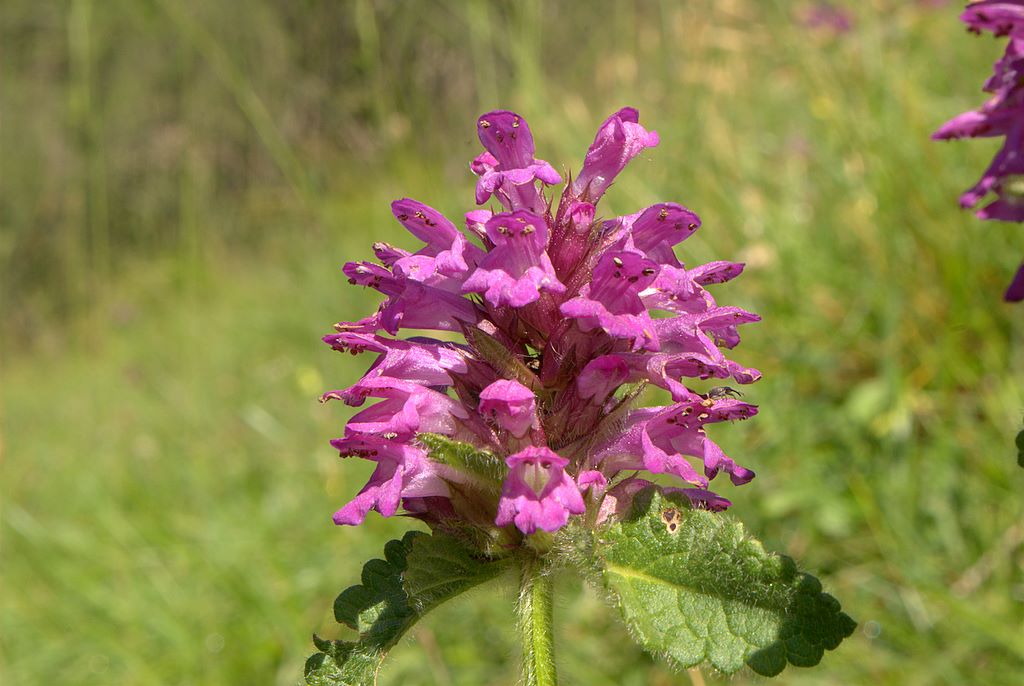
(721, 392)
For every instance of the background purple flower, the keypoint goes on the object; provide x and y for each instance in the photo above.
(1002, 115)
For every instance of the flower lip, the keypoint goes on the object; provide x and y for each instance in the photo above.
(424, 222)
(619, 273)
(666, 222)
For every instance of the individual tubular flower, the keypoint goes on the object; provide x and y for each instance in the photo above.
(611, 301)
(537, 493)
(656, 439)
(517, 269)
(406, 409)
(421, 360)
(533, 420)
(1002, 115)
(619, 140)
(403, 471)
(512, 405)
(452, 253)
(508, 169)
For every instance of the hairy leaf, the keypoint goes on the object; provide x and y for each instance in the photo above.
(418, 573)
(693, 587)
(465, 457)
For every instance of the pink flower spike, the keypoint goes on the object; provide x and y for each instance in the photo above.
(537, 493)
(565, 317)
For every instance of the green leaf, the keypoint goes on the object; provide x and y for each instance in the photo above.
(693, 587)
(418, 573)
(465, 457)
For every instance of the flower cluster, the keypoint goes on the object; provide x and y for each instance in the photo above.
(566, 317)
(1002, 115)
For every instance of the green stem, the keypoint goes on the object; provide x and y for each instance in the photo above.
(536, 589)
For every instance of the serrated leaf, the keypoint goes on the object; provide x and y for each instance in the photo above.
(694, 588)
(441, 567)
(465, 457)
(419, 572)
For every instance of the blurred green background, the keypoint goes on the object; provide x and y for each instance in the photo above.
(181, 180)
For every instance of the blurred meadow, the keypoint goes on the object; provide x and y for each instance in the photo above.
(181, 181)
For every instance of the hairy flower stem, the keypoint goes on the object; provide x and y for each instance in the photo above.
(536, 590)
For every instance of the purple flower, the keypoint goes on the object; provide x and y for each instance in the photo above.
(560, 311)
(1002, 115)
(517, 268)
(452, 253)
(403, 471)
(656, 439)
(654, 231)
(537, 493)
(1001, 17)
(422, 360)
(619, 140)
(508, 169)
(611, 301)
(407, 408)
(512, 406)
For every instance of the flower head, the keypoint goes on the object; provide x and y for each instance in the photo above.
(1002, 115)
(566, 316)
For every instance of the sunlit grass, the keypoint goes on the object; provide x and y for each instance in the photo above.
(167, 485)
